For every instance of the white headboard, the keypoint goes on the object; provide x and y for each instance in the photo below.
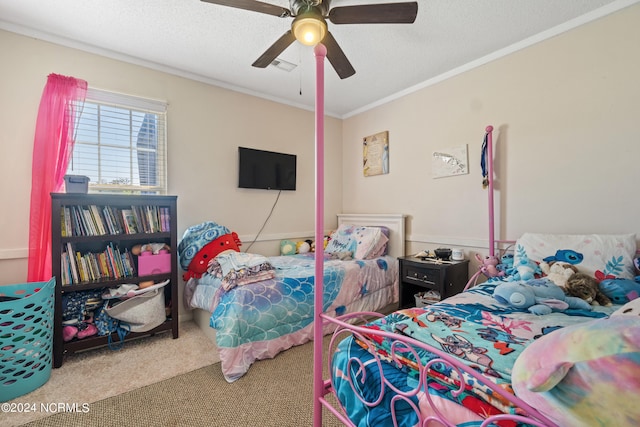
(394, 222)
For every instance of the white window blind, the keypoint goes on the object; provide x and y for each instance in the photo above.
(120, 143)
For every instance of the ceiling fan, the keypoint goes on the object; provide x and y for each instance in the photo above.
(309, 25)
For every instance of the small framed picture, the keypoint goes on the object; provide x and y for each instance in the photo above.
(450, 162)
(375, 154)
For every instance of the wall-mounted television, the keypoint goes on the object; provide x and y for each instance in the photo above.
(266, 170)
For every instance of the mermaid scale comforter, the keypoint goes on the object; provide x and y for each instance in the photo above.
(257, 320)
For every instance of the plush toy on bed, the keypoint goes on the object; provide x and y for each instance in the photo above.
(558, 272)
(525, 269)
(287, 247)
(586, 287)
(632, 308)
(303, 246)
(621, 291)
(538, 296)
(506, 264)
(203, 242)
(489, 266)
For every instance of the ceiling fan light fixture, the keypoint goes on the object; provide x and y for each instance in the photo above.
(309, 29)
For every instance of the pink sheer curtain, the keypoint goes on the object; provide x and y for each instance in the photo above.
(52, 149)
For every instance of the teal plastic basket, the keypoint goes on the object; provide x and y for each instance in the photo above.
(26, 337)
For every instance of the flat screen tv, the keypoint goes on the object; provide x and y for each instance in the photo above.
(266, 170)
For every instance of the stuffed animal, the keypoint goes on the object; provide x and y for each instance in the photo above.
(506, 264)
(632, 308)
(489, 266)
(154, 248)
(586, 287)
(558, 272)
(538, 296)
(287, 247)
(621, 291)
(525, 269)
(303, 247)
(203, 242)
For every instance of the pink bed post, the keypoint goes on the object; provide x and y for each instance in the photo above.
(320, 53)
(489, 130)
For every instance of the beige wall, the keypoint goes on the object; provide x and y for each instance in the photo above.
(566, 113)
(206, 124)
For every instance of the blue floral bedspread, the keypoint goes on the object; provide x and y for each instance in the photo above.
(475, 328)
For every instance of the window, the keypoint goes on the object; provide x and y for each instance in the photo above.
(120, 144)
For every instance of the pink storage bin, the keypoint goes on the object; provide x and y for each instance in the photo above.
(154, 264)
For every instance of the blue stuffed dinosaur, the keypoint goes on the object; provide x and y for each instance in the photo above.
(538, 296)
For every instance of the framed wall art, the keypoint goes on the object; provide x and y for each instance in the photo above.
(450, 162)
(375, 154)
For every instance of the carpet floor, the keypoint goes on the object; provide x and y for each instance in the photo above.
(275, 392)
(91, 376)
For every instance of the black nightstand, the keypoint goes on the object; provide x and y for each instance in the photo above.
(416, 275)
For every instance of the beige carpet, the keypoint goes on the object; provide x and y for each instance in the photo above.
(98, 374)
(273, 393)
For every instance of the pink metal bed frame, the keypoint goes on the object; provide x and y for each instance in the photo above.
(401, 344)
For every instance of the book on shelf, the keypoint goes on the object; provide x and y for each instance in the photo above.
(165, 225)
(94, 220)
(129, 221)
(111, 263)
(72, 264)
(98, 220)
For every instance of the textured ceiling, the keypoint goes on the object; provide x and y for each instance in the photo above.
(217, 44)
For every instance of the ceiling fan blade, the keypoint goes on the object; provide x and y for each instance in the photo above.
(274, 50)
(386, 13)
(254, 6)
(337, 58)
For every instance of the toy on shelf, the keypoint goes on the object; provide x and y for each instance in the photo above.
(153, 248)
(153, 258)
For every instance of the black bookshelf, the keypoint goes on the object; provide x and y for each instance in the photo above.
(91, 235)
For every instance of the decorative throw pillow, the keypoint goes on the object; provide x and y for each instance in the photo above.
(598, 255)
(195, 238)
(380, 248)
(341, 240)
(575, 374)
(362, 242)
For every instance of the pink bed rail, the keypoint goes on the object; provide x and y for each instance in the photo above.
(321, 387)
(402, 344)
